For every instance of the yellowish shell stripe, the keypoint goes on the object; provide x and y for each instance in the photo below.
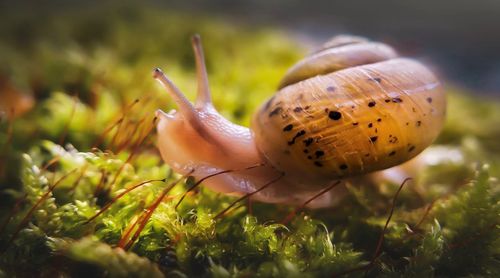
(338, 58)
(352, 121)
(341, 40)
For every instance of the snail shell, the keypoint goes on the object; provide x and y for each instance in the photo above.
(349, 109)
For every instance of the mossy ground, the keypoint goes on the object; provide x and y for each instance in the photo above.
(87, 68)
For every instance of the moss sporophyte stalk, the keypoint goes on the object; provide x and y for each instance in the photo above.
(85, 190)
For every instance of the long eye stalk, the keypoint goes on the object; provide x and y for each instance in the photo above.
(203, 99)
(185, 107)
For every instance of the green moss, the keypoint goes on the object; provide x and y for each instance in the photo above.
(97, 257)
(109, 67)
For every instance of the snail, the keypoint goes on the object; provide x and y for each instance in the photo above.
(350, 108)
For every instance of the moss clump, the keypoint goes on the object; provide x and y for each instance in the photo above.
(86, 82)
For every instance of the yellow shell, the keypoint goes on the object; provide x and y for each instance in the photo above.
(362, 109)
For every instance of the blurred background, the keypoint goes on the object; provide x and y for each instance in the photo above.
(459, 37)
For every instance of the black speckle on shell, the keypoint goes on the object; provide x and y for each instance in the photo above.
(300, 133)
(288, 127)
(319, 153)
(275, 111)
(308, 141)
(376, 79)
(393, 139)
(335, 115)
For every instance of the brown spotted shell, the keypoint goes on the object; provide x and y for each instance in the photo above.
(348, 109)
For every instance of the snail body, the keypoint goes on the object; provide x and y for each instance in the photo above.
(349, 109)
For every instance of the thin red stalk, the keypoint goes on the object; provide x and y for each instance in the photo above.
(117, 197)
(213, 175)
(102, 180)
(380, 241)
(113, 139)
(381, 238)
(77, 181)
(26, 218)
(424, 216)
(99, 139)
(150, 210)
(132, 128)
(125, 237)
(147, 138)
(132, 154)
(126, 137)
(248, 195)
(295, 211)
(50, 163)
(128, 142)
(427, 211)
(144, 220)
(125, 110)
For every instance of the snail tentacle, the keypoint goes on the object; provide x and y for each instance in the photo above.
(180, 99)
(203, 98)
(186, 109)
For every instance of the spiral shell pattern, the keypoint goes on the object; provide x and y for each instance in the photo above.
(350, 108)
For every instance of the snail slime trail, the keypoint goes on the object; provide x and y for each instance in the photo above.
(350, 108)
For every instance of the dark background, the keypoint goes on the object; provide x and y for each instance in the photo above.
(460, 37)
